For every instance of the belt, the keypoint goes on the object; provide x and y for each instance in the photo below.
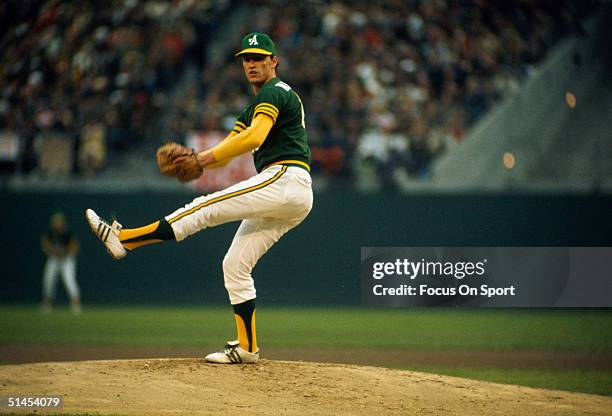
(297, 163)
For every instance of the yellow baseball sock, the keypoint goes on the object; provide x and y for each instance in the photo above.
(156, 232)
(244, 313)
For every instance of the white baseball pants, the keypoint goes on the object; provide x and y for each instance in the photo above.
(66, 266)
(269, 204)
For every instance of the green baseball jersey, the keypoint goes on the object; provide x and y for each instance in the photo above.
(287, 141)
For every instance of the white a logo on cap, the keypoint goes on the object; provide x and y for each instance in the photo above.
(253, 40)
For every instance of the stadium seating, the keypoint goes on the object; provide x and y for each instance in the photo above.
(388, 86)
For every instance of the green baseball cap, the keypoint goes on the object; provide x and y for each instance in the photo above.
(256, 42)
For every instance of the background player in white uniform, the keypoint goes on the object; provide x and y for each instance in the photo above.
(269, 204)
(61, 248)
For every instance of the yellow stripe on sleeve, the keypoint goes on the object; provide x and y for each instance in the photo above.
(266, 112)
(269, 106)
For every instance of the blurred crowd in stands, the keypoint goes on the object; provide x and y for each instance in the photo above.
(83, 81)
(388, 86)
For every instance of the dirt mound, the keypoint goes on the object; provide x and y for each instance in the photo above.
(392, 358)
(192, 387)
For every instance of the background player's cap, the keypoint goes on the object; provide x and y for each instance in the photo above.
(256, 42)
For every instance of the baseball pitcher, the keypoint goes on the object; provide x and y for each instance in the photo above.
(269, 204)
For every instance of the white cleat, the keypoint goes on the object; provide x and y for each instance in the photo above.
(108, 234)
(233, 354)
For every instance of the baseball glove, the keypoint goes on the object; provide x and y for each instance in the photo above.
(176, 160)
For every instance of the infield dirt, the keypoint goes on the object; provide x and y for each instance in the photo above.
(192, 387)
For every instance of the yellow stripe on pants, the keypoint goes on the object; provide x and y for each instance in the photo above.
(230, 195)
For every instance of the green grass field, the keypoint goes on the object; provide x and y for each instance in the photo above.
(582, 331)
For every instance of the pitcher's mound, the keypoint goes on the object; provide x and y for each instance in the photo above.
(193, 387)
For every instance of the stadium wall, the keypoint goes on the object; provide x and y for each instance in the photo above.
(317, 263)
